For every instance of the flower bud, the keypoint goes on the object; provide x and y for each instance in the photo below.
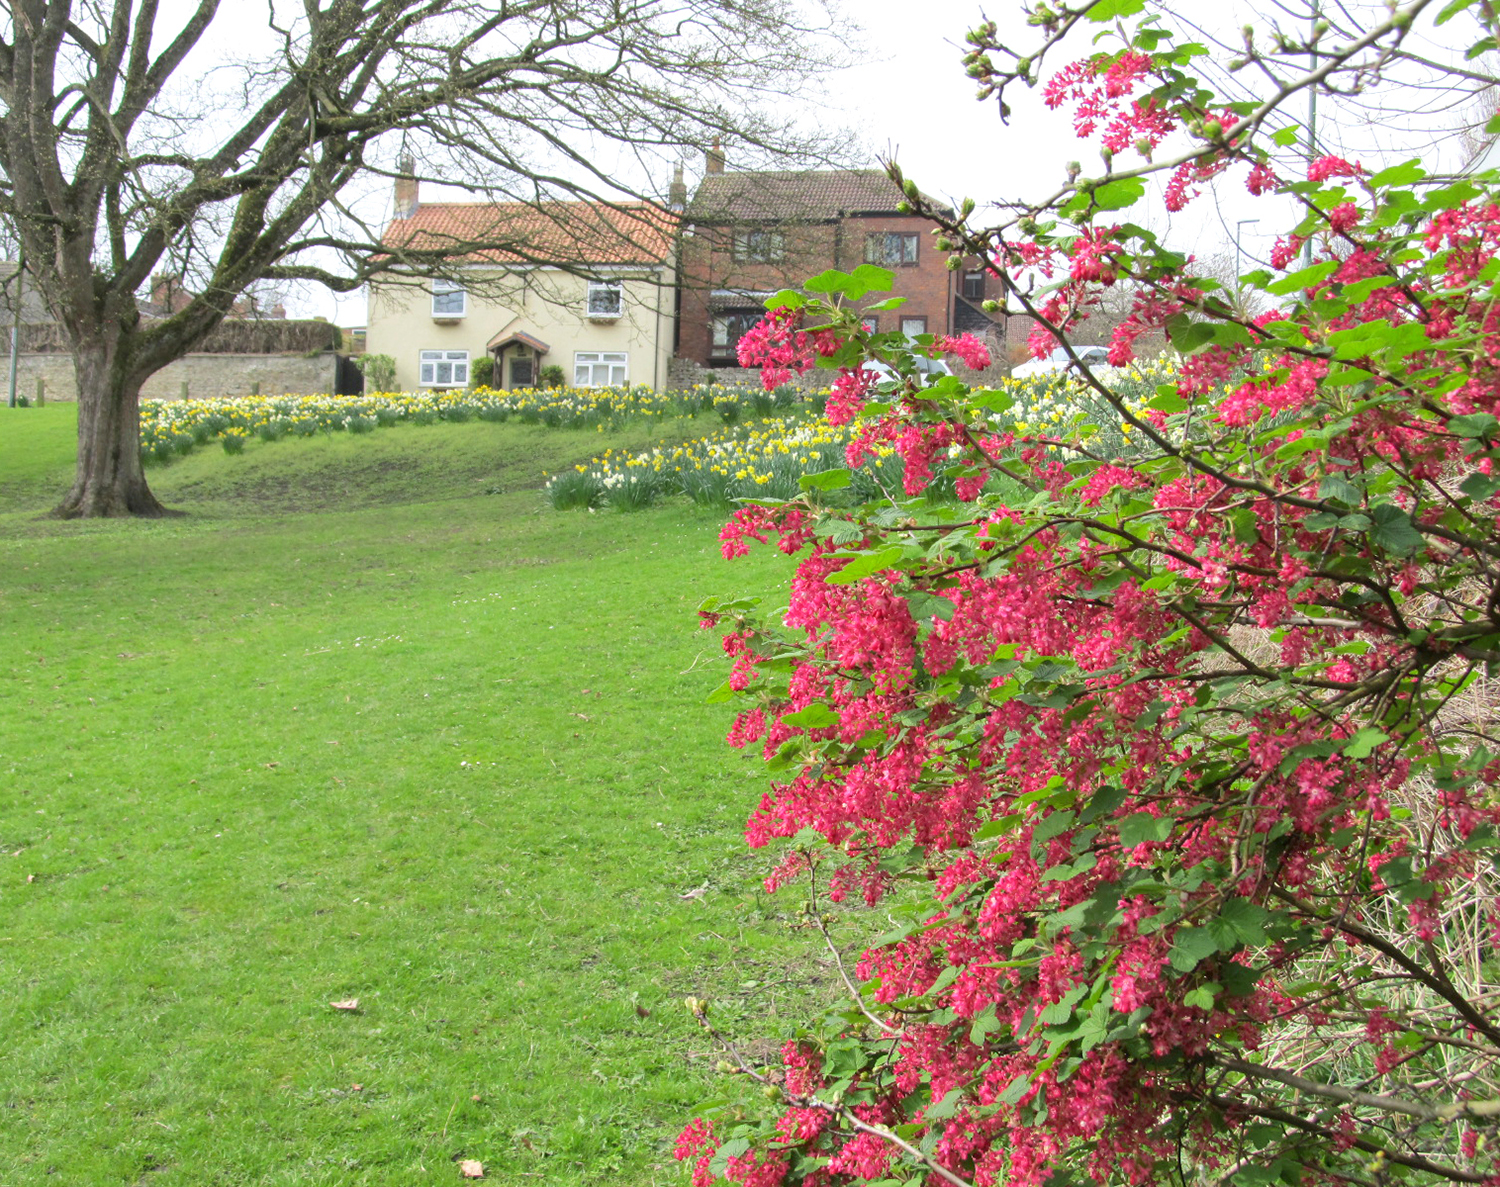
(903, 207)
(990, 306)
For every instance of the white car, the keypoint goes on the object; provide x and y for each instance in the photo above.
(1059, 361)
(929, 369)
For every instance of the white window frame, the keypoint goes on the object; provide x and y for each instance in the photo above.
(893, 249)
(600, 306)
(446, 290)
(757, 245)
(601, 368)
(432, 365)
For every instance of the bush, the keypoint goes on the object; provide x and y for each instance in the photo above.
(482, 371)
(553, 376)
(1172, 754)
(379, 371)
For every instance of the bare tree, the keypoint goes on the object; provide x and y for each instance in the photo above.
(122, 154)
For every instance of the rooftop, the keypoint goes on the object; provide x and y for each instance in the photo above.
(540, 233)
(793, 195)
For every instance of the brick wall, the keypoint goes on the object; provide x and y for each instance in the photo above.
(207, 375)
(708, 264)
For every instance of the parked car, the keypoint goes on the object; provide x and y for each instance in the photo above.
(929, 369)
(1094, 356)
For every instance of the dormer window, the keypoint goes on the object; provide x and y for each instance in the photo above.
(606, 299)
(449, 299)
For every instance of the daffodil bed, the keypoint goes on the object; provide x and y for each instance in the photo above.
(769, 440)
(769, 458)
(170, 428)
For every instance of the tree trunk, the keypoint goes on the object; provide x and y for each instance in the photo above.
(110, 480)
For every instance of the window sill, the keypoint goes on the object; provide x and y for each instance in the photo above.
(446, 319)
(604, 317)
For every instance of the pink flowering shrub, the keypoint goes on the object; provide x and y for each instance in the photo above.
(1190, 753)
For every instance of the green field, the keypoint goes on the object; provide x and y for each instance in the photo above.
(368, 722)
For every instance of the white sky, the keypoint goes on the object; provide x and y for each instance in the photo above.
(908, 97)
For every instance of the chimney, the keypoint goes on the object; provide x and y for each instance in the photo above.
(677, 195)
(406, 188)
(714, 159)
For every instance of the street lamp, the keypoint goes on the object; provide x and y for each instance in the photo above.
(1239, 265)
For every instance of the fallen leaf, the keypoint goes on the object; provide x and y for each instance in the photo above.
(642, 1012)
(356, 1087)
(471, 1168)
(351, 1004)
(475, 1098)
(696, 892)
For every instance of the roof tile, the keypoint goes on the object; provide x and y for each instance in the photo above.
(788, 195)
(544, 233)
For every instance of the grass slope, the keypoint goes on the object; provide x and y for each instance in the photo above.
(320, 741)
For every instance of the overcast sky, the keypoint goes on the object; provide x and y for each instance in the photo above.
(907, 96)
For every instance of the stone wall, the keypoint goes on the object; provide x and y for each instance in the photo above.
(684, 373)
(206, 375)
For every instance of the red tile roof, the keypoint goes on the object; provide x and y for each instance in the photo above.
(544, 233)
(793, 196)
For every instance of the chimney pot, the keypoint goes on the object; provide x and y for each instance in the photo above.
(406, 191)
(714, 159)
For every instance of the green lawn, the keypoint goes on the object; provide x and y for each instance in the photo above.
(356, 728)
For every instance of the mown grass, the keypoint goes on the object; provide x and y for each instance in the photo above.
(353, 728)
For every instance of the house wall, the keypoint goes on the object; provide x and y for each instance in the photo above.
(546, 303)
(709, 265)
(207, 375)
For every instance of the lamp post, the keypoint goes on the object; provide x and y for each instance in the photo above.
(1239, 265)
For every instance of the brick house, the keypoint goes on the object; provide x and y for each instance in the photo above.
(748, 234)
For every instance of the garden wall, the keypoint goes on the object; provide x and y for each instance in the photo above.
(684, 373)
(206, 375)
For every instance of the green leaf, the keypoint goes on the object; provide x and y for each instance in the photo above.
(1336, 486)
(1190, 947)
(1305, 279)
(825, 480)
(786, 298)
(1285, 137)
(1247, 920)
(1142, 827)
(1479, 486)
(948, 1106)
(1118, 194)
(1475, 425)
(816, 716)
(864, 565)
(1110, 10)
(882, 306)
(720, 695)
(1202, 998)
(875, 280)
(1393, 530)
(733, 1148)
(1452, 9)
(1407, 173)
(1364, 742)
(1167, 399)
(1245, 525)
